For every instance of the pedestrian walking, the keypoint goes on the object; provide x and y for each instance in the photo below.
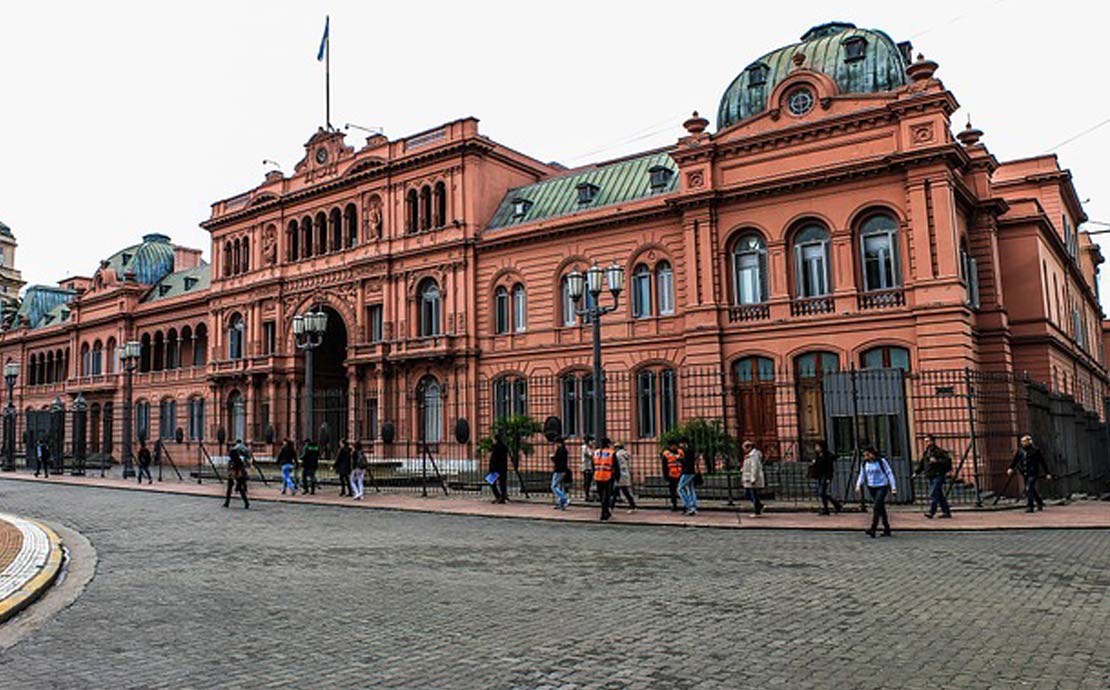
(877, 475)
(936, 465)
(586, 465)
(623, 483)
(237, 458)
(310, 462)
(605, 472)
(343, 463)
(686, 490)
(822, 469)
(287, 459)
(672, 470)
(144, 462)
(358, 471)
(751, 476)
(42, 459)
(560, 468)
(498, 476)
(1030, 461)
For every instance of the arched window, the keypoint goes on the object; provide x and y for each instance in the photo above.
(412, 211)
(173, 351)
(501, 310)
(306, 236)
(158, 354)
(245, 259)
(816, 364)
(425, 208)
(110, 356)
(97, 358)
(520, 309)
(570, 318)
(749, 270)
(430, 307)
(227, 259)
(32, 373)
(578, 404)
(641, 292)
(86, 360)
(811, 261)
(656, 402)
(510, 397)
(321, 226)
(440, 205)
(235, 330)
(350, 220)
(336, 223)
(886, 357)
(200, 345)
(237, 258)
(144, 353)
(429, 397)
(753, 369)
(878, 239)
(664, 288)
(294, 241)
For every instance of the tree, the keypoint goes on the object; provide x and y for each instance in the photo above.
(516, 431)
(706, 436)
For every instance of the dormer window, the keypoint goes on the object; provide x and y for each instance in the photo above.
(660, 176)
(855, 48)
(757, 75)
(587, 192)
(163, 290)
(520, 207)
(189, 283)
(125, 259)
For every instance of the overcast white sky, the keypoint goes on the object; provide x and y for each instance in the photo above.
(118, 119)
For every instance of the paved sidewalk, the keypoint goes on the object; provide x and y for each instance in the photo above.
(1076, 515)
(30, 559)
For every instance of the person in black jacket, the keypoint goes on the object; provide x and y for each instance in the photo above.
(1031, 463)
(822, 470)
(310, 462)
(237, 457)
(560, 467)
(287, 460)
(42, 458)
(936, 465)
(499, 465)
(144, 462)
(343, 468)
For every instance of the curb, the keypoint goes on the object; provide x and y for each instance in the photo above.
(34, 588)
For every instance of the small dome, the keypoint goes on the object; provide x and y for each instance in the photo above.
(149, 262)
(858, 60)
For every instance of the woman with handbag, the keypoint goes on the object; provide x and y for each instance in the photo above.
(879, 478)
(751, 476)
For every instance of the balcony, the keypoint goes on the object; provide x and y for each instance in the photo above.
(423, 347)
(748, 312)
(812, 305)
(882, 299)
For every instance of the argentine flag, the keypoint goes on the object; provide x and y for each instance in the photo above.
(323, 41)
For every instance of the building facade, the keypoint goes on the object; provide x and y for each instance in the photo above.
(831, 222)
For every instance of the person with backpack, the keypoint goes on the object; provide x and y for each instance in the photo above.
(822, 469)
(936, 465)
(343, 468)
(560, 467)
(359, 471)
(287, 460)
(605, 472)
(876, 474)
(237, 458)
(672, 469)
(310, 462)
(1030, 461)
(42, 458)
(144, 463)
(623, 483)
(751, 476)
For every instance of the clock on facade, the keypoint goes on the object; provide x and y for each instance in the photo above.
(800, 101)
(321, 155)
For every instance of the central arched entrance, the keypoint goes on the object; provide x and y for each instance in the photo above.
(329, 394)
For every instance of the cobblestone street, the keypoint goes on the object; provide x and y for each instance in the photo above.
(188, 595)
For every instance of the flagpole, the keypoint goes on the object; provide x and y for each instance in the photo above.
(327, 78)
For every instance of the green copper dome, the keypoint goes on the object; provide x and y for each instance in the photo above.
(858, 60)
(150, 261)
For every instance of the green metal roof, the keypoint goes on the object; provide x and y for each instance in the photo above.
(150, 260)
(882, 68)
(617, 182)
(44, 305)
(179, 283)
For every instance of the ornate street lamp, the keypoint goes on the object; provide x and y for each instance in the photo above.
(11, 373)
(308, 330)
(593, 282)
(129, 356)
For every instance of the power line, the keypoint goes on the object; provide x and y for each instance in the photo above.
(953, 20)
(1081, 134)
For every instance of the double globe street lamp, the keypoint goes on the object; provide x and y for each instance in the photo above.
(129, 356)
(308, 331)
(592, 281)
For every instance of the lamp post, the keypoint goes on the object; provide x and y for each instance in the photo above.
(308, 330)
(11, 373)
(592, 281)
(129, 356)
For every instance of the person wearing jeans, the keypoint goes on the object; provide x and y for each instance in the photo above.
(823, 470)
(751, 475)
(936, 465)
(686, 484)
(877, 475)
(559, 468)
(1032, 464)
(358, 471)
(287, 458)
(623, 483)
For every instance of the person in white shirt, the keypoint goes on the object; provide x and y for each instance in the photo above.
(875, 472)
(751, 476)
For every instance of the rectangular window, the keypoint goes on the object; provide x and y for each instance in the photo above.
(570, 407)
(520, 309)
(668, 407)
(142, 420)
(645, 398)
(664, 288)
(520, 397)
(812, 273)
(500, 398)
(167, 417)
(196, 419)
(372, 419)
(749, 283)
(501, 311)
(587, 396)
(269, 337)
(374, 321)
(878, 263)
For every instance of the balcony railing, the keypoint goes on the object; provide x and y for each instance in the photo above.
(812, 305)
(748, 312)
(884, 299)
